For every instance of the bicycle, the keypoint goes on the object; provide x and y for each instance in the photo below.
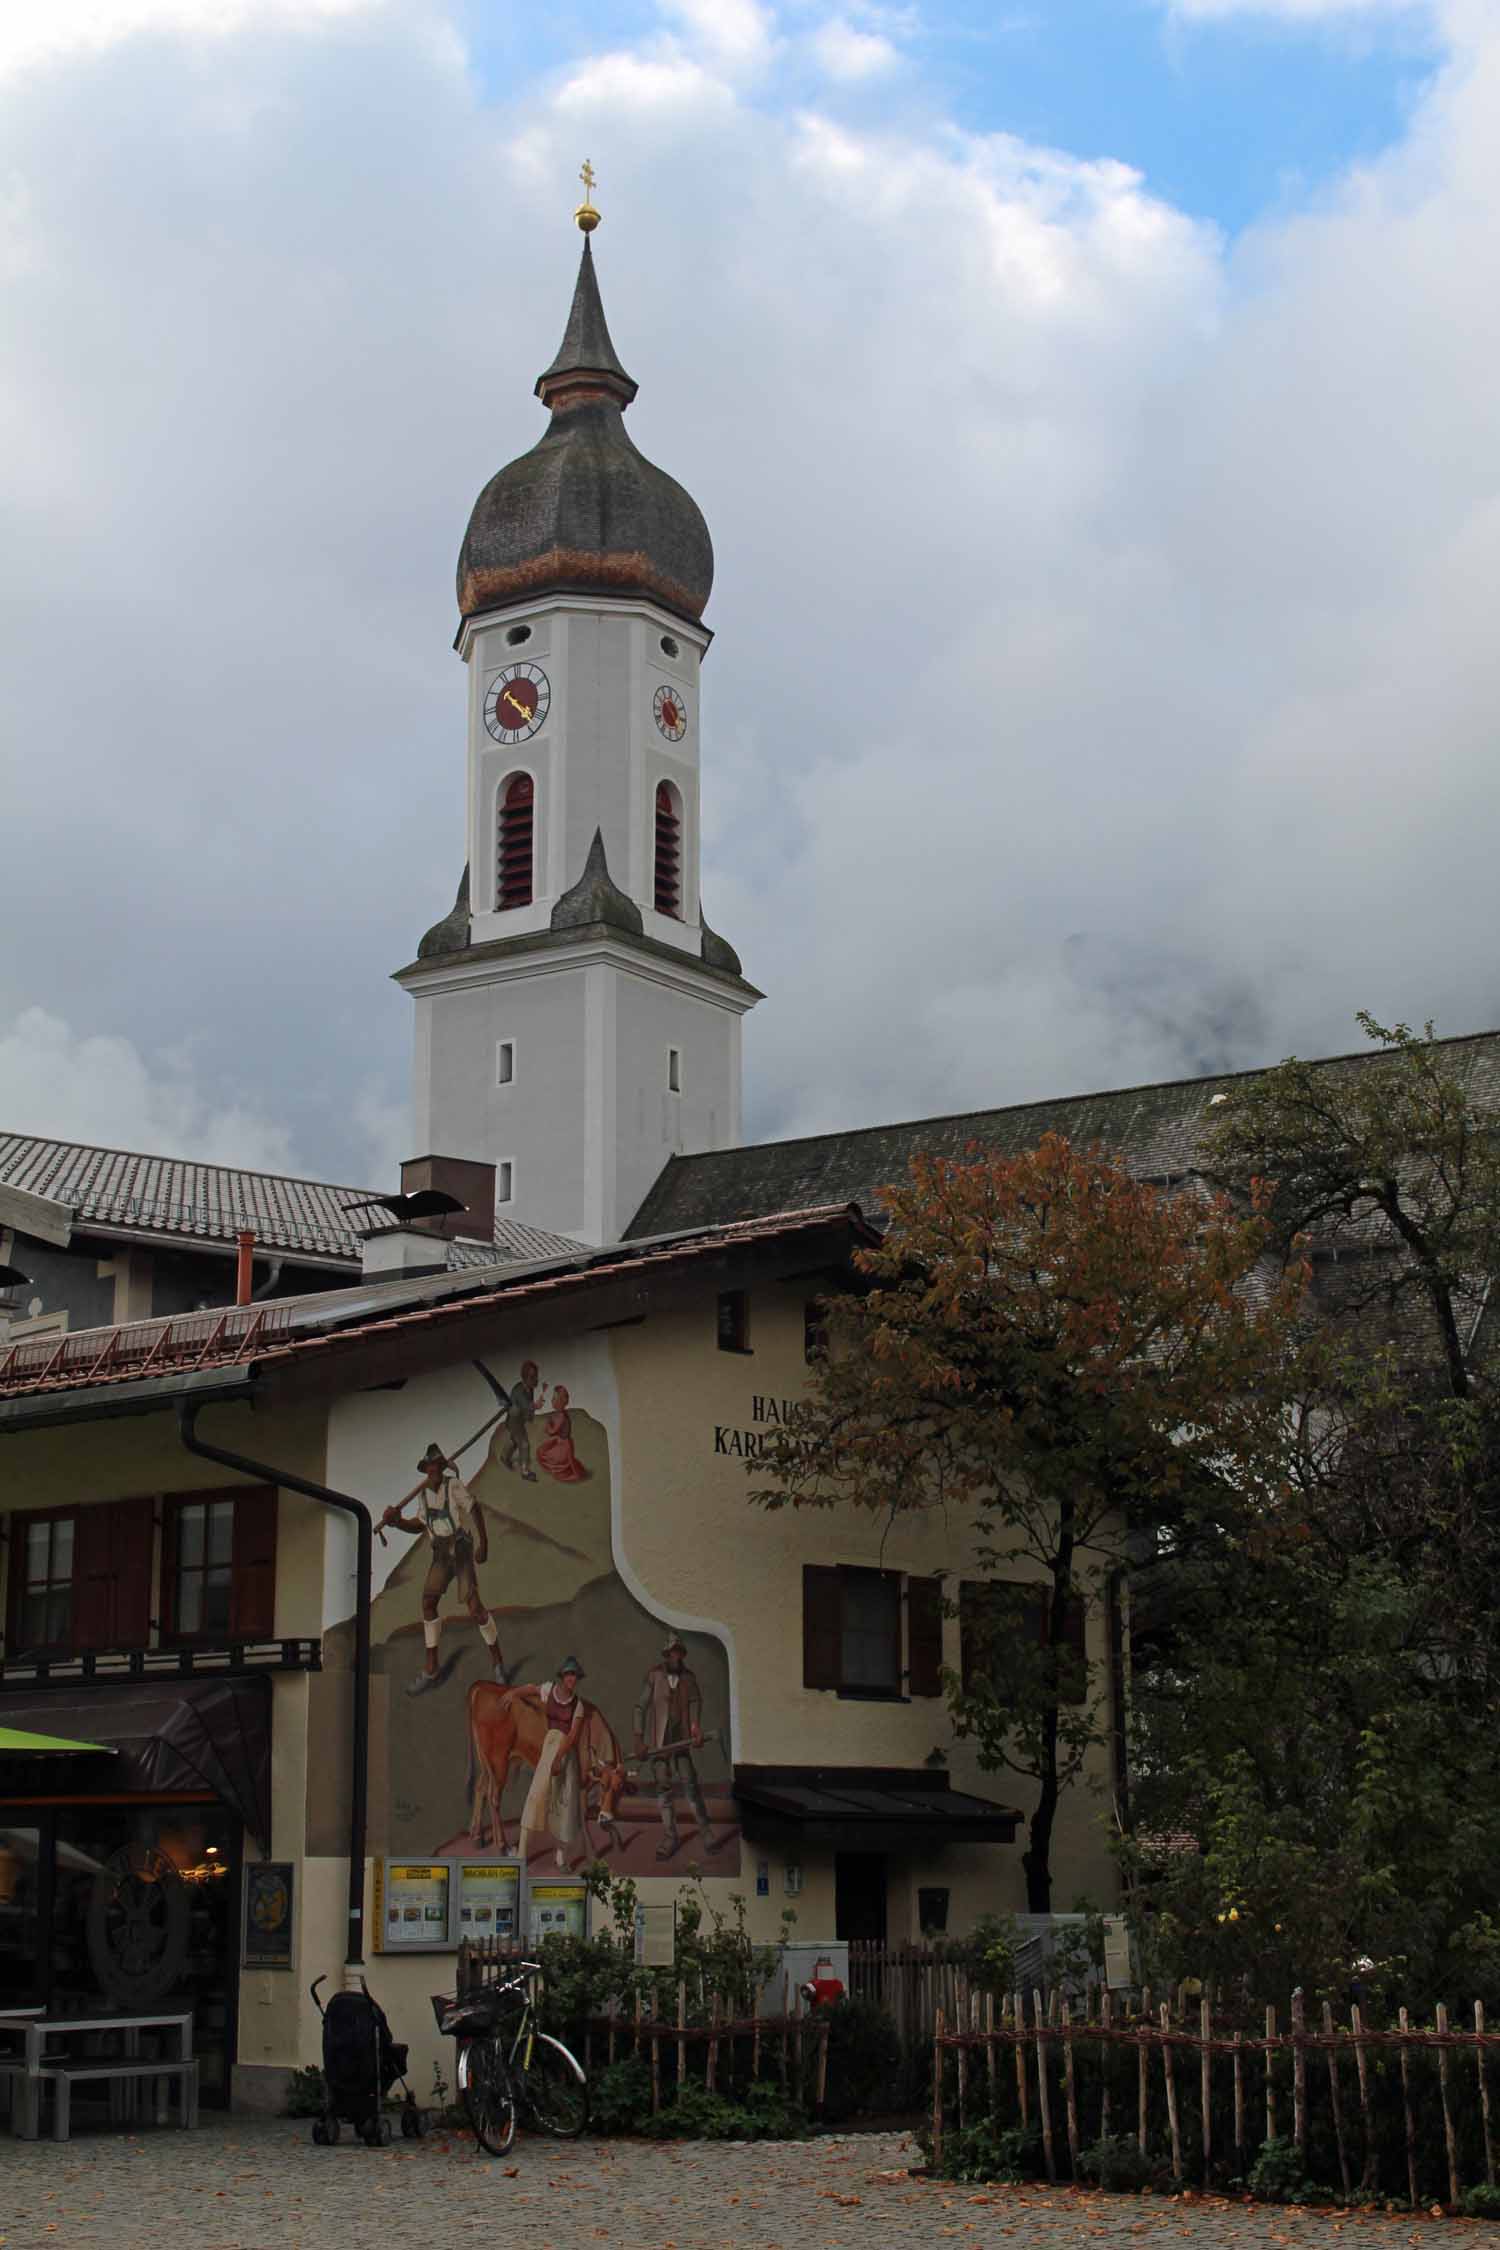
(507, 2065)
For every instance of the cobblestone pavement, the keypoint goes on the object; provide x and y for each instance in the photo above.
(246, 2184)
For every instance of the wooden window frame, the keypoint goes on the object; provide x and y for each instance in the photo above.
(252, 1563)
(17, 1527)
(917, 1617)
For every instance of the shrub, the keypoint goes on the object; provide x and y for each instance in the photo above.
(987, 2151)
(620, 2097)
(305, 2093)
(697, 2115)
(1480, 2203)
(1278, 2174)
(1116, 2164)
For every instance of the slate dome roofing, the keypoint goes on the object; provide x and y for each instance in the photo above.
(583, 511)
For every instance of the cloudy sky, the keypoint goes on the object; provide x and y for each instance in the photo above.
(1094, 406)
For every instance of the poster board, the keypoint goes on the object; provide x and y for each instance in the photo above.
(489, 1899)
(556, 1910)
(413, 1905)
(269, 1894)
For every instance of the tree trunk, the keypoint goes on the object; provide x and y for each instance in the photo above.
(1036, 1860)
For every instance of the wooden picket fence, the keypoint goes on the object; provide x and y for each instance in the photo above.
(991, 2045)
(912, 1983)
(791, 2047)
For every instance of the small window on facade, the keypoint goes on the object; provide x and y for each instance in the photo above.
(851, 1630)
(669, 646)
(504, 1174)
(514, 844)
(674, 1070)
(871, 1645)
(45, 1618)
(814, 1331)
(734, 1321)
(204, 1558)
(505, 1062)
(517, 635)
(668, 851)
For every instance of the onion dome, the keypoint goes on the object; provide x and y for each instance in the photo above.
(583, 511)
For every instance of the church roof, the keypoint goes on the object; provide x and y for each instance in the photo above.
(1154, 1129)
(584, 511)
(172, 1197)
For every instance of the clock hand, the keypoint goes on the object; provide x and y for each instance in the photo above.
(515, 703)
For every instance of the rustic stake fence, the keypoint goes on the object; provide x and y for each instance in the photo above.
(1044, 2039)
(796, 2041)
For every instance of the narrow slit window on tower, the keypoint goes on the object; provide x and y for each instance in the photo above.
(514, 843)
(504, 1181)
(674, 1070)
(668, 851)
(505, 1062)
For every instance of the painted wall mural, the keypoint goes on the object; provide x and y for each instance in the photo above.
(532, 1704)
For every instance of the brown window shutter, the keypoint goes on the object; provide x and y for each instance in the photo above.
(131, 1532)
(924, 1636)
(253, 1604)
(822, 1626)
(93, 1578)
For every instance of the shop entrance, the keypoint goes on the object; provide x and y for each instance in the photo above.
(859, 1892)
(124, 1905)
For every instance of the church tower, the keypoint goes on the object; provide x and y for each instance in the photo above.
(577, 1021)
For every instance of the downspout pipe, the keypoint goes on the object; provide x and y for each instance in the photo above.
(264, 1473)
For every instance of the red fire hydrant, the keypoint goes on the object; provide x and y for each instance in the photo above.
(822, 1987)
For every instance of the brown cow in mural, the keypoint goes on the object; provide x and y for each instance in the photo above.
(508, 1723)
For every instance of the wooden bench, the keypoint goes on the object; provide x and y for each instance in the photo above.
(63, 2076)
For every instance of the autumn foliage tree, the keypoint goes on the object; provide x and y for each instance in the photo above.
(1059, 1354)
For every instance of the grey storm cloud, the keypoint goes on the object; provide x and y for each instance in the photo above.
(1106, 678)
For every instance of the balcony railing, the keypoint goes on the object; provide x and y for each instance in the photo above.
(226, 1660)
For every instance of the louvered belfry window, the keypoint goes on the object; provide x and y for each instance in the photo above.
(513, 886)
(668, 851)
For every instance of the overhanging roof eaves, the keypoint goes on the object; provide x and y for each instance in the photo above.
(99, 1402)
(854, 1804)
(268, 1336)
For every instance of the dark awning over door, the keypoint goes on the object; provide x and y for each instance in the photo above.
(866, 1808)
(211, 1735)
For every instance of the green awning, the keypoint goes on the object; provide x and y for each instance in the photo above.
(16, 1743)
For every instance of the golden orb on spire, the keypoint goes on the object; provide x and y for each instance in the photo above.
(586, 216)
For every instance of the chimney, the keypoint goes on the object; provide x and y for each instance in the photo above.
(471, 1184)
(244, 1266)
(401, 1253)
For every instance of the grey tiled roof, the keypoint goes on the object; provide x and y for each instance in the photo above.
(1154, 1129)
(168, 1195)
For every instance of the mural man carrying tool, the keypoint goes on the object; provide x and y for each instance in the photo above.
(452, 1519)
(668, 1729)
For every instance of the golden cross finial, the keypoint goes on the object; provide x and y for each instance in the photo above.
(586, 215)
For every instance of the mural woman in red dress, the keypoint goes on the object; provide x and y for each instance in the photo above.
(555, 1453)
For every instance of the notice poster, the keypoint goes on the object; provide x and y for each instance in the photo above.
(557, 1910)
(414, 1905)
(268, 1914)
(489, 1901)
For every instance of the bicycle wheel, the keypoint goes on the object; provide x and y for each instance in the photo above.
(554, 2089)
(488, 2098)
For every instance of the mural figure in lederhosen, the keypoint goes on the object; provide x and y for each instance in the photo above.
(452, 1520)
(668, 1729)
(554, 1800)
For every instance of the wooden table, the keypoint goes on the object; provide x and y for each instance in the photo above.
(36, 2065)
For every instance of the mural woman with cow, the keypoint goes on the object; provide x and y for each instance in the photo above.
(525, 1542)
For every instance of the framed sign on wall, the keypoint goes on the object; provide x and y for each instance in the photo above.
(269, 1892)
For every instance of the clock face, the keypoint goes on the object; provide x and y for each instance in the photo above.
(671, 713)
(516, 702)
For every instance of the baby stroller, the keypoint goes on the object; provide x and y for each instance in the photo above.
(361, 2063)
